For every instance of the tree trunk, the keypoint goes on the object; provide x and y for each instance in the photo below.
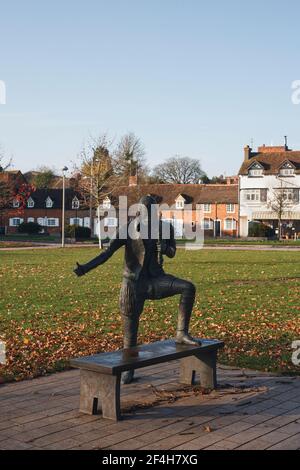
(99, 228)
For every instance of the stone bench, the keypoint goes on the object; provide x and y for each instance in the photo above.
(100, 375)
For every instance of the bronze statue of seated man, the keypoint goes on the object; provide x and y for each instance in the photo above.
(144, 277)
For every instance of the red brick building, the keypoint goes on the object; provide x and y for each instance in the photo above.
(44, 207)
(10, 181)
(214, 206)
(217, 204)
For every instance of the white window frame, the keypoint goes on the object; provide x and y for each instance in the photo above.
(207, 224)
(232, 225)
(252, 195)
(75, 203)
(207, 208)
(287, 172)
(30, 203)
(86, 222)
(30, 220)
(15, 221)
(49, 203)
(230, 208)
(16, 203)
(179, 204)
(288, 194)
(255, 172)
(52, 222)
(78, 221)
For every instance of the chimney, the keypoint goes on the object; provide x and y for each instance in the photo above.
(286, 143)
(232, 180)
(247, 153)
(133, 180)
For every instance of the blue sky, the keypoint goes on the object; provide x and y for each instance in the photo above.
(189, 77)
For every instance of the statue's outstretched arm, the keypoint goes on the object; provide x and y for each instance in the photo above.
(114, 245)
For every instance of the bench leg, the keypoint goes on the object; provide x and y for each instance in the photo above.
(100, 390)
(205, 365)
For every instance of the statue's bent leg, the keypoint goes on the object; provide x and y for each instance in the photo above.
(167, 286)
(131, 308)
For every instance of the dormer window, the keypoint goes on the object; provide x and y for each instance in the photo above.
(49, 203)
(30, 203)
(75, 203)
(106, 203)
(287, 169)
(179, 202)
(255, 170)
(16, 203)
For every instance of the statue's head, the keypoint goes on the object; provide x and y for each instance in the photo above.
(148, 208)
(148, 201)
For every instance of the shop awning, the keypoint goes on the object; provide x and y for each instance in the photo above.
(287, 215)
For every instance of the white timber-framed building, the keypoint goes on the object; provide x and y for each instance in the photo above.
(263, 176)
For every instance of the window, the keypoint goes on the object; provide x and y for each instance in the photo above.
(230, 208)
(287, 169)
(52, 222)
(110, 222)
(75, 221)
(106, 203)
(287, 172)
(86, 222)
(207, 208)
(254, 172)
(179, 204)
(49, 203)
(30, 203)
(291, 195)
(30, 219)
(230, 224)
(16, 203)
(15, 222)
(252, 195)
(207, 224)
(75, 203)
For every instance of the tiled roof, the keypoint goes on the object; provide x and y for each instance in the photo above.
(40, 195)
(193, 193)
(272, 161)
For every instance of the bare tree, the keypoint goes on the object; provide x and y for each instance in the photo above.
(179, 170)
(6, 187)
(280, 200)
(96, 178)
(130, 158)
(44, 177)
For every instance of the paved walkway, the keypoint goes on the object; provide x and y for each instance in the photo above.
(249, 411)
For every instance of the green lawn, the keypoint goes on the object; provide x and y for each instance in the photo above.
(47, 314)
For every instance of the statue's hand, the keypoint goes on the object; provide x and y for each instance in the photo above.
(79, 271)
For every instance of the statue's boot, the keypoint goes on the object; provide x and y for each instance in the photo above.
(185, 312)
(131, 325)
(185, 338)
